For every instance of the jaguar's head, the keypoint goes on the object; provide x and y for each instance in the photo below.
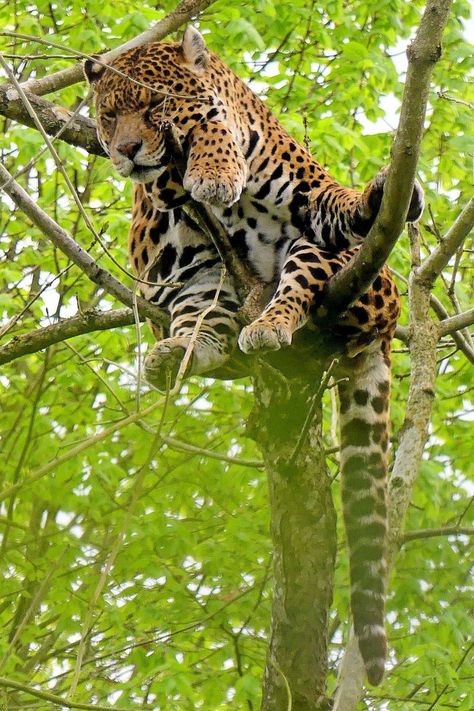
(146, 88)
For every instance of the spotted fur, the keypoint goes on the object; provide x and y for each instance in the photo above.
(292, 224)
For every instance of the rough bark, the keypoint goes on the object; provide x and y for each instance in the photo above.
(302, 527)
(76, 130)
(304, 545)
(453, 324)
(424, 337)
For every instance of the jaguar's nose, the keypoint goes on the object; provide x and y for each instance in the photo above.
(130, 149)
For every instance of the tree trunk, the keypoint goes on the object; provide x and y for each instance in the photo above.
(303, 532)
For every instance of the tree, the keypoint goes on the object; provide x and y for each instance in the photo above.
(133, 579)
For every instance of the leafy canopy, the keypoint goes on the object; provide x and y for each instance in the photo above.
(153, 563)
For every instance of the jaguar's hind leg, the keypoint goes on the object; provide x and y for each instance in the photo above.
(212, 341)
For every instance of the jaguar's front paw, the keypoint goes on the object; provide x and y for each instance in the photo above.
(163, 361)
(263, 336)
(213, 188)
(371, 198)
(417, 203)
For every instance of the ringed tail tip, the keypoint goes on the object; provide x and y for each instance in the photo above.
(373, 647)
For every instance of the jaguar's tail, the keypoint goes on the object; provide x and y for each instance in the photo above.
(364, 420)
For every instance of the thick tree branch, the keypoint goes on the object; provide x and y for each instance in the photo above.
(403, 332)
(423, 53)
(304, 539)
(86, 322)
(78, 131)
(454, 323)
(79, 256)
(448, 325)
(351, 677)
(183, 13)
(435, 263)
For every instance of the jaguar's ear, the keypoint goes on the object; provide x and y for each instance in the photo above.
(93, 70)
(195, 50)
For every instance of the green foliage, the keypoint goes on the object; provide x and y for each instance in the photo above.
(180, 621)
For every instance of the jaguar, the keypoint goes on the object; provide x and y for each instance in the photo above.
(294, 227)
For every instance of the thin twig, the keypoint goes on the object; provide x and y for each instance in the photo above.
(192, 341)
(129, 507)
(434, 532)
(46, 469)
(31, 608)
(97, 59)
(182, 13)
(194, 449)
(56, 700)
(17, 316)
(442, 95)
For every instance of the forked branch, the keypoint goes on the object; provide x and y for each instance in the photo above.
(433, 266)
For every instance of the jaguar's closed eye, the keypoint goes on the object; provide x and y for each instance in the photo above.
(109, 115)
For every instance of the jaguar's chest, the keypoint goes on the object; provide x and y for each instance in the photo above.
(260, 233)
